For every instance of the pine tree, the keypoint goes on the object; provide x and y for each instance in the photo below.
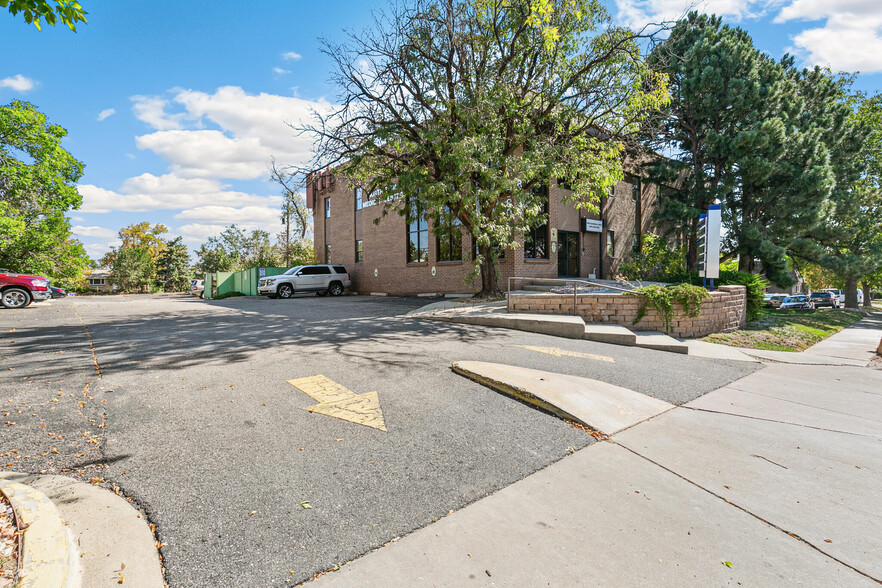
(174, 271)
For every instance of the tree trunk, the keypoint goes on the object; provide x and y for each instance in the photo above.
(488, 273)
(851, 299)
(868, 292)
(744, 263)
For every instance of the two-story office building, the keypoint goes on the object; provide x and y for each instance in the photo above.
(398, 257)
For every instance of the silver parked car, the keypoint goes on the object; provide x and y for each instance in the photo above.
(321, 279)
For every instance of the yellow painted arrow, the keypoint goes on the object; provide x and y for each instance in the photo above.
(339, 402)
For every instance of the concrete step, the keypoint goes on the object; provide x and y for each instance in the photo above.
(610, 333)
(595, 404)
(660, 342)
(571, 327)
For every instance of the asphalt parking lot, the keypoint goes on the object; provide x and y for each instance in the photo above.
(193, 417)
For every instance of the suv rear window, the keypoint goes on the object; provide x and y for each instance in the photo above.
(822, 295)
(340, 269)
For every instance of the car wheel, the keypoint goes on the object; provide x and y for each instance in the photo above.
(285, 291)
(335, 289)
(15, 298)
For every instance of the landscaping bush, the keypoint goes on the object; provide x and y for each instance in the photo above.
(662, 300)
(654, 262)
(754, 283)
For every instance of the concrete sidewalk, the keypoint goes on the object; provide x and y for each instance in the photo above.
(771, 480)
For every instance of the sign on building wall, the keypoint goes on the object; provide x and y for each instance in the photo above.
(590, 225)
(709, 226)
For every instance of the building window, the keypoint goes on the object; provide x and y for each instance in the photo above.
(327, 208)
(536, 239)
(359, 251)
(417, 233)
(358, 203)
(612, 190)
(449, 232)
(635, 243)
(328, 253)
(635, 191)
(96, 281)
(611, 243)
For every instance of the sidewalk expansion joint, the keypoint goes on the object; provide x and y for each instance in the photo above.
(857, 416)
(752, 514)
(756, 418)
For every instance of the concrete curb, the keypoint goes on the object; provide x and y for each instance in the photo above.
(598, 405)
(105, 528)
(47, 558)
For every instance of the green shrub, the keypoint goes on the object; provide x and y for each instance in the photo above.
(755, 284)
(654, 262)
(662, 299)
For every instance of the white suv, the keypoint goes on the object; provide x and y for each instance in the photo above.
(321, 279)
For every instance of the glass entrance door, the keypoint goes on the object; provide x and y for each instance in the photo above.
(567, 254)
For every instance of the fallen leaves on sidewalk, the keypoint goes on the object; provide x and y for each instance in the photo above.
(8, 544)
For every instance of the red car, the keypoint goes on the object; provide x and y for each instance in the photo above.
(19, 290)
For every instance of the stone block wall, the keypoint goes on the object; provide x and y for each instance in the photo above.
(726, 310)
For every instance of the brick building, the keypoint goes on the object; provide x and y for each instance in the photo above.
(397, 257)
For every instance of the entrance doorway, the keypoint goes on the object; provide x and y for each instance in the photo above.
(567, 254)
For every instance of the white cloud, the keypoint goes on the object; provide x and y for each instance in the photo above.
(850, 40)
(252, 129)
(637, 13)
(151, 110)
(246, 215)
(281, 72)
(167, 192)
(18, 82)
(100, 232)
(291, 56)
(106, 113)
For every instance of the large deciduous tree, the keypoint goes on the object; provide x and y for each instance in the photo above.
(292, 242)
(463, 110)
(37, 187)
(745, 131)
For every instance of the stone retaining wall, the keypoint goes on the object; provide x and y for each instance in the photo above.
(726, 310)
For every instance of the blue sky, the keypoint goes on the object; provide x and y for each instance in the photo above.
(177, 107)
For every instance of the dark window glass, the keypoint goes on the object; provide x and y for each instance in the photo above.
(340, 269)
(308, 271)
(327, 208)
(449, 239)
(635, 191)
(359, 251)
(611, 243)
(322, 270)
(536, 239)
(358, 203)
(417, 232)
(635, 242)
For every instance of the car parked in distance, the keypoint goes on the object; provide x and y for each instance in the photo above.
(197, 288)
(841, 295)
(775, 300)
(19, 290)
(822, 299)
(57, 292)
(798, 302)
(321, 278)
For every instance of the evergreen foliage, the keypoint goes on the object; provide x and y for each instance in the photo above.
(748, 132)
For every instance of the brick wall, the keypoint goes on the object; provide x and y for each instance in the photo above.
(385, 267)
(726, 310)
